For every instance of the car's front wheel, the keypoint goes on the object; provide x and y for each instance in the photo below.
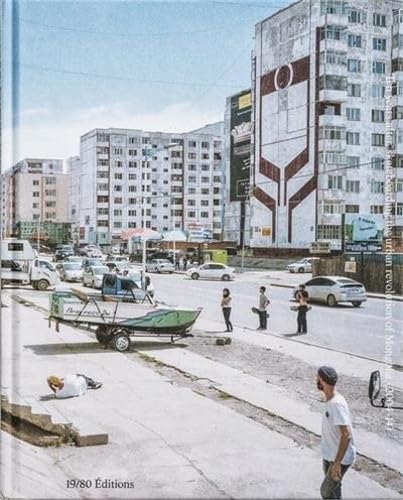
(301, 269)
(331, 300)
(195, 276)
(225, 277)
(356, 303)
(42, 285)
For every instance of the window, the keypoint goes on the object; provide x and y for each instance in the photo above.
(117, 187)
(377, 187)
(205, 191)
(397, 16)
(204, 203)
(397, 64)
(102, 175)
(205, 168)
(145, 140)
(379, 20)
(191, 203)
(118, 163)
(378, 115)
(191, 167)
(397, 113)
(132, 152)
(216, 203)
(335, 182)
(378, 91)
(35, 205)
(117, 224)
(352, 186)
(102, 199)
(50, 192)
(354, 90)
(216, 190)
(191, 214)
(205, 179)
(50, 180)
(378, 67)
(176, 154)
(354, 65)
(35, 216)
(352, 209)
(205, 145)
(192, 178)
(332, 32)
(353, 114)
(205, 156)
(117, 201)
(353, 138)
(102, 211)
(379, 44)
(378, 140)
(50, 204)
(331, 133)
(332, 208)
(353, 161)
(132, 189)
(376, 209)
(102, 187)
(399, 185)
(355, 16)
(191, 190)
(35, 183)
(216, 178)
(102, 163)
(333, 57)
(329, 232)
(192, 156)
(132, 177)
(332, 82)
(192, 144)
(132, 140)
(119, 176)
(354, 41)
(117, 151)
(204, 215)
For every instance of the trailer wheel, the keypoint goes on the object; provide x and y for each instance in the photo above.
(102, 336)
(121, 342)
(42, 285)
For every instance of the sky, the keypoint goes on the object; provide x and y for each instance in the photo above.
(153, 65)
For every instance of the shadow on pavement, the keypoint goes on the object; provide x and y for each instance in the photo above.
(96, 348)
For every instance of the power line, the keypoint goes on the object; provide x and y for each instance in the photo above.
(126, 78)
(157, 34)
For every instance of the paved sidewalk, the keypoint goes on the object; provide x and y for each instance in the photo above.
(170, 441)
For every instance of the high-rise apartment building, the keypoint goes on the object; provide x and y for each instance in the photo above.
(320, 73)
(132, 179)
(34, 194)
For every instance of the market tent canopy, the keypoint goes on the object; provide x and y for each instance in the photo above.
(140, 233)
(176, 235)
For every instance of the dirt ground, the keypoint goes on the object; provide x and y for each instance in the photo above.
(299, 379)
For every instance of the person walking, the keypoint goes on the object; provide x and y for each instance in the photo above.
(262, 309)
(185, 263)
(302, 297)
(337, 441)
(226, 308)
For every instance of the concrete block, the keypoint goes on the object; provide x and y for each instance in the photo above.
(91, 439)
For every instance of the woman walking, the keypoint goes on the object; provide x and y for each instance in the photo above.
(226, 308)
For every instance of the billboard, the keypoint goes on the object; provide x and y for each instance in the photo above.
(197, 233)
(241, 130)
(363, 233)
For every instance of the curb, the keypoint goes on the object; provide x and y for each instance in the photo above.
(372, 295)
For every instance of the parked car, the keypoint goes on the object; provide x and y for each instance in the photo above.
(117, 258)
(160, 266)
(70, 271)
(211, 270)
(91, 262)
(74, 258)
(302, 266)
(333, 290)
(63, 252)
(93, 275)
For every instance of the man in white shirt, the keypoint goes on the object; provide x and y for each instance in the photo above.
(337, 443)
(71, 386)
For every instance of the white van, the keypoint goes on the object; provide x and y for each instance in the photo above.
(20, 265)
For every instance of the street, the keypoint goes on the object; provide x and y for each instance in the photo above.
(226, 385)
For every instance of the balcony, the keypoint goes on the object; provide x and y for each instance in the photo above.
(333, 95)
(329, 120)
(102, 156)
(327, 145)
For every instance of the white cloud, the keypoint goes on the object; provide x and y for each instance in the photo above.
(59, 136)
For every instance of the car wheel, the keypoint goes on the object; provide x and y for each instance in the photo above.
(42, 285)
(121, 342)
(225, 277)
(331, 300)
(356, 303)
(195, 276)
(300, 269)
